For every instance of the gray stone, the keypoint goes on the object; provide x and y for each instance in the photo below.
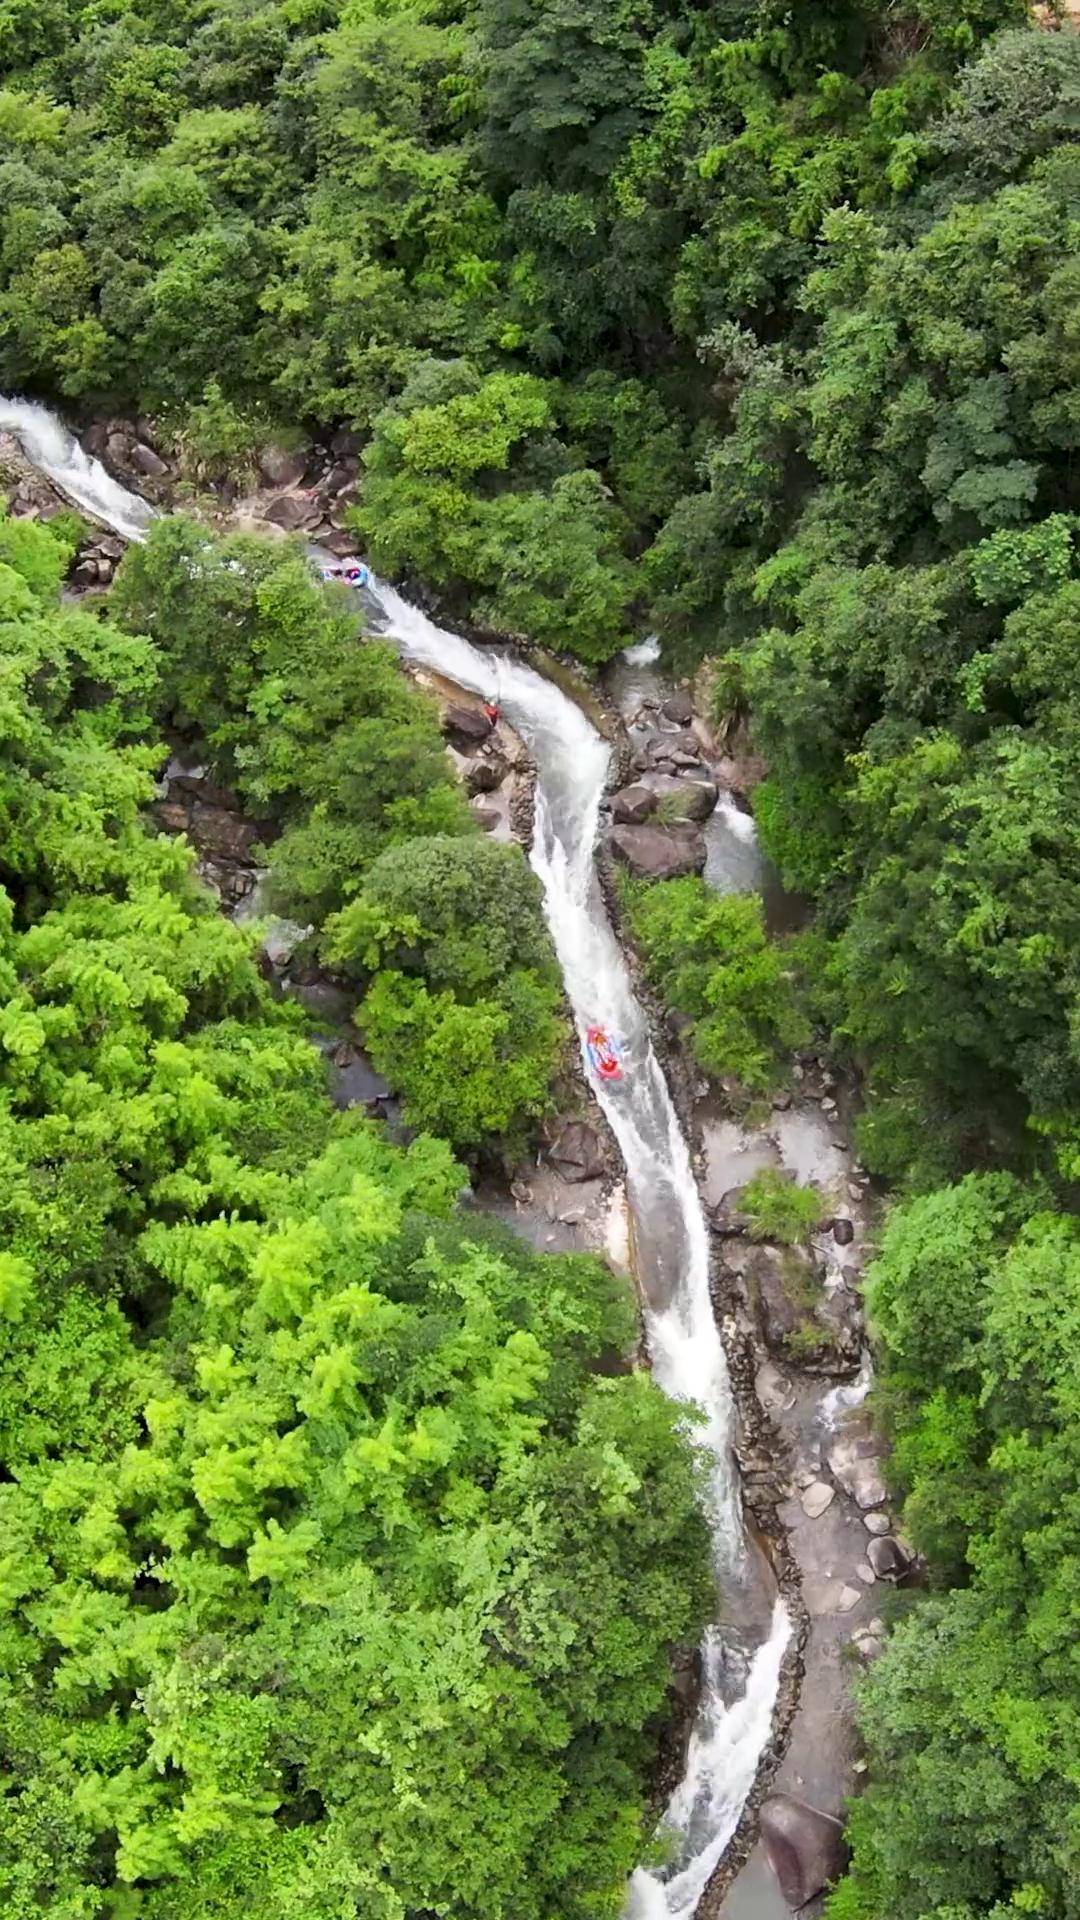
(288, 511)
(485, 773)
(340, 543)
(804, 1847)
(843, 1230)
(887, 1557)
(876, 1522)
(631, 806)
(216, 831)
(865, 1572)
(817, 1498)
(575, 1151)
(867, 1645)
(149, 462)
(466, 727)
(774, 1391)
(782, 1285)
(355, 1082)
(687, 799)
(282, 466)
(849, 1598)
(853, 1461)
(281, 940)
(659, 853)
(678, 707)
(341, 476)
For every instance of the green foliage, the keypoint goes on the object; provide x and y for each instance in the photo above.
(465, 1014)
(754, 324)
(314, 724)
(971, 1715)
(334, 1576)
(710, 957)
(451, 490)
(780, 1209)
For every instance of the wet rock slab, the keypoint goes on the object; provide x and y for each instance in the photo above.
(804, 1847)
(658, 853)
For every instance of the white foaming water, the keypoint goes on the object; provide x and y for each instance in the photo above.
(83, 480)
(841, 1400)
(721, 1762)
(643, 653)
(671, 1237)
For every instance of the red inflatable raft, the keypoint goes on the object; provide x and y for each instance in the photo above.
(603, 1054)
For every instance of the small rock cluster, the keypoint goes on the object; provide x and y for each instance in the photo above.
(315, 489)
(96, 562)
(657, 816)
(127, 448)
(212, 818)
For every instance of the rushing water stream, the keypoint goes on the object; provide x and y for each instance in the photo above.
(670, 1232)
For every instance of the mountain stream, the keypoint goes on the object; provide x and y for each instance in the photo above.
(670, 1233)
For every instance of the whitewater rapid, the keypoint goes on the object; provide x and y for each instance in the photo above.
(671, 1237)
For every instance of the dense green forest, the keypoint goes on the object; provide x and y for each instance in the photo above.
(755, 325)
(341, 1549)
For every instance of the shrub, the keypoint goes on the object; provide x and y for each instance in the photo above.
(710, 957)
(779, 1209)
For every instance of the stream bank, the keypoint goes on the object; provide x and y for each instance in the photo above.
(811, 1463)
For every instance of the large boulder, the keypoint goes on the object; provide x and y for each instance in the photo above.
(485, 773)
(784, 1289)
(216, 831)
(659, 853)
(686, 799)
(354, 1082)
(804, 1847)
(342, 475)
(887, 1557)
(575, 1151)
(146, 461)
(282, 466)
(118, 448)
(288, 511)
(340, 542)
(345, 444)
(466, 727)
(631, 806)
(854, 1460)
(678, 707)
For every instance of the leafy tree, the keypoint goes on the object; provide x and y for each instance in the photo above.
(710, 957)
(465, 1014)
(971, 1714)
(315, 725)
(780, 1209)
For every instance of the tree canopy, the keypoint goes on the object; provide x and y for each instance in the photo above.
(342, 1549)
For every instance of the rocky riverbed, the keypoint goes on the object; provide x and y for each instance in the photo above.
(792, 1319)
